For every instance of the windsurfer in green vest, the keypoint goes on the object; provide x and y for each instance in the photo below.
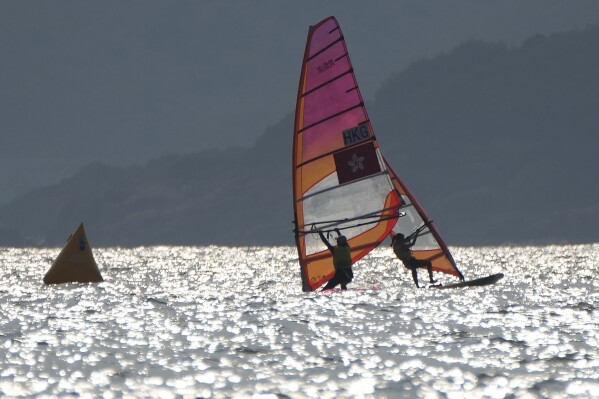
(341, 261)
(401, 246)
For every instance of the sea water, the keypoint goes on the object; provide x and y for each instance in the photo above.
(219, 322)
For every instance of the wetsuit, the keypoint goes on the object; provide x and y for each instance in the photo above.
(404, 253)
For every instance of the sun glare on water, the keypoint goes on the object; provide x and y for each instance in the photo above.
(218, 322)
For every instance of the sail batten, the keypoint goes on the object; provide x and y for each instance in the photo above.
(339, 40)
(332, 116)
(332, 80)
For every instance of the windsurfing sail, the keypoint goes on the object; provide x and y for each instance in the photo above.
(429, 244)
(75, 263)
(340, 179)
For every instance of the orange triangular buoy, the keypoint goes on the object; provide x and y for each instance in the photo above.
(75, 263)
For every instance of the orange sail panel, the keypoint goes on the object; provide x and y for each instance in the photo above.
(340, 180)
(429, 244)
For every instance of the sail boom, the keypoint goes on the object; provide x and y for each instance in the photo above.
(349, 226)
(365, 216)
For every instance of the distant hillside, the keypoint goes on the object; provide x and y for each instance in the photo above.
(497, 143)
(500, 143)
(224, 197)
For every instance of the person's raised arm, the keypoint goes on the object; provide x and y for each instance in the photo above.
(325, 241)
(411, 240)
(414, 238)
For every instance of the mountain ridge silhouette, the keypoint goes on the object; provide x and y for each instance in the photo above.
(498, 144)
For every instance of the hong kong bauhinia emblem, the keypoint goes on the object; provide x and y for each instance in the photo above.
(356, 163)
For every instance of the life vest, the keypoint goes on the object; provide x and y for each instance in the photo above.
(402, 251)
(341, 257)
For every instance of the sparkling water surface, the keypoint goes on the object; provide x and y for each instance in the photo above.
(219, 322)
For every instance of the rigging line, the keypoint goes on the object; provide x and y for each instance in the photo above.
(305, 197)
(358, 105)
(370, 139)
(322, 50)
(320, 86)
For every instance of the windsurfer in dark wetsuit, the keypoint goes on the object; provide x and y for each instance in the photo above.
(341, 261)
(401, 246)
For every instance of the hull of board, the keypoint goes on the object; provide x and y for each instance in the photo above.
(488, 280)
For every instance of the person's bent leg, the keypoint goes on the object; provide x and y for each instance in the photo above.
(425, 264)
(415, 276)
(429, 266)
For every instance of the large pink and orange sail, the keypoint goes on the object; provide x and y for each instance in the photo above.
(340, 179)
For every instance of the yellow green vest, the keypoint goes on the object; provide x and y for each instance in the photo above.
(341, 257)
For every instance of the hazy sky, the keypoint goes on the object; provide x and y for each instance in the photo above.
(125, 81)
